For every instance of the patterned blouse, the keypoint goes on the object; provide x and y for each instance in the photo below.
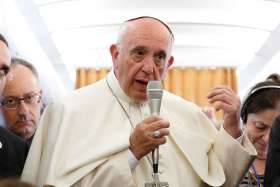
(250, 180)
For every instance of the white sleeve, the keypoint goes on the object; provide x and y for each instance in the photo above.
(132, 161)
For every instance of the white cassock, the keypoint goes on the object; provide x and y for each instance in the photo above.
(83, 140)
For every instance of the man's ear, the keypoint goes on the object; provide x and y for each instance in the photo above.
(43, 104)
(114, 55)
(170, 61)
(41, 96)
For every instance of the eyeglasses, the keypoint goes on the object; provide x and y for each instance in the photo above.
(12, 102)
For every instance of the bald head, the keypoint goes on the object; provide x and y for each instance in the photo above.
(23, 81)
(144, 23)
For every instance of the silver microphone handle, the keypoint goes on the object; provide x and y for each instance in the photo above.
(155, 106)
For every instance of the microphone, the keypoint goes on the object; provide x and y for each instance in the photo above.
(154, 95)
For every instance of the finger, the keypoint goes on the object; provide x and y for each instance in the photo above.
(229, 91)
(213, 93)
(223, 98)
(163, 132)
(151, 118)
(157, 125)
(220, 90)
(220, 87)
(156, 142)
(225, 107)
(159, 141)
(227, 95)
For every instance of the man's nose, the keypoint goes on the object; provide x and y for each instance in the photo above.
(22, 107)
(148, 67)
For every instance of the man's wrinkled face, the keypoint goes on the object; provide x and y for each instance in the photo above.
(5, 61)
(22, 95)
(258, 129)
(142, 55)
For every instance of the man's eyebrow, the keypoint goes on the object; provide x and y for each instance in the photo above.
(260, 122)
(161, 52)
(138, 48)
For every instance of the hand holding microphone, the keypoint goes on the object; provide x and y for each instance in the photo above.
(151, 132)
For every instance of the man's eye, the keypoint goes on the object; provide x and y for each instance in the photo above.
(30, 98)
(260, 126)
(5, 70)
(9, 101)
(159, 60)
(138, 55)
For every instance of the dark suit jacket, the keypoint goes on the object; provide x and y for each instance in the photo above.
(272, 168)
(13, 153)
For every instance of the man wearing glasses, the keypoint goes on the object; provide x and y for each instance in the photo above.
(13, 150)
(22, 101)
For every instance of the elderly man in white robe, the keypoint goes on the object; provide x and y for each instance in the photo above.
(103, 135)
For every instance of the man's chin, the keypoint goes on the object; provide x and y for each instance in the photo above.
(139, 96)
(25, 132)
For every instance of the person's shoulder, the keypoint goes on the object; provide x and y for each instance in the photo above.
(2, 131)
(90, 90)
(12, 146)
(5, 134)
(13, 153)
(178, 105)
(10, 138)
(170, 98)
(184, 112)
(81, 97)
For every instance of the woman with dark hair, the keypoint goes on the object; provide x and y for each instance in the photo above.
(259, 110)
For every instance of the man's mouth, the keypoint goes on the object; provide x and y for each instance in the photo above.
(22, 123)
(143, 82)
